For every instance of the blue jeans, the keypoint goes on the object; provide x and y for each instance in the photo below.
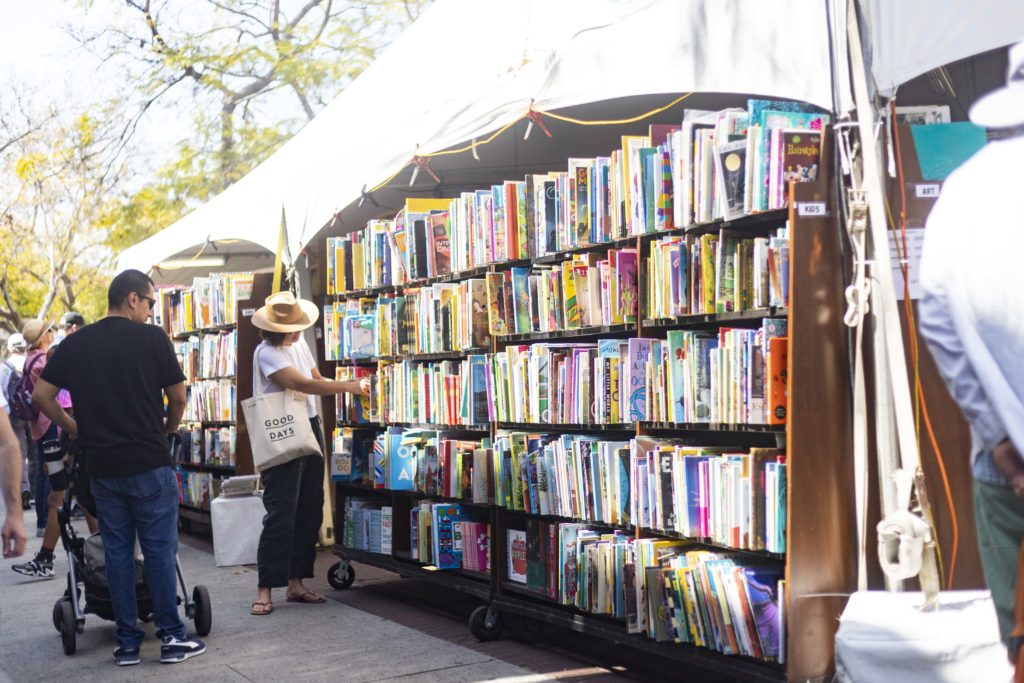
(146, 504)
(42, 480)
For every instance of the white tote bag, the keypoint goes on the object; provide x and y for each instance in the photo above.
(279, 429)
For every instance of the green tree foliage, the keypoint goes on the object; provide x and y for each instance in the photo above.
(248, 73)
(57, 174)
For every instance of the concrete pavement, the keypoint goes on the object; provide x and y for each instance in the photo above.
(296, 643)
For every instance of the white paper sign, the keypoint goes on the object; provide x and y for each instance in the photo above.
(248, 312)
(915, 243)
(811, 209)
(927, 191)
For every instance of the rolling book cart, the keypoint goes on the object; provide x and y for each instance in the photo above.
(820, 559)
(246, 341)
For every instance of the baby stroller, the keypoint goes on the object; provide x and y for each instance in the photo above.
(87, 571)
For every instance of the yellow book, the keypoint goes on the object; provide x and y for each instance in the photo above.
(707, 272)
(426, 204)
(571, 309)
(358, 267)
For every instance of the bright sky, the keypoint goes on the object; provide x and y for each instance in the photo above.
(37, 53)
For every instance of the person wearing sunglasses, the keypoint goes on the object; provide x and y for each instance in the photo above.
(119, 371)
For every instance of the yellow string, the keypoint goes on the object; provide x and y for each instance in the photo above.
(615, 122)
(480, 143)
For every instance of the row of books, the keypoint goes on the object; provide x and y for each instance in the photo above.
(446, 536)
(368, 526)
(712, 165)
(667, 590)
(197, 489)
(733, 162)
(733, 375)
(208, 445)
(585, 291)
(356, 408)
(437, 392)
(440, 318)
(208, 355)
(717, 273)
(425, 461)
(211, 301)
(726, 496)
(210, 400)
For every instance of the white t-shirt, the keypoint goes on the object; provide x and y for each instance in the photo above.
(269, 359)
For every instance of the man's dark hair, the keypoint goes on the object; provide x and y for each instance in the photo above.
(72, 318)
(124, 284)
(275, 338)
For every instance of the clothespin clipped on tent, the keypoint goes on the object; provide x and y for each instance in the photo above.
(472, 147)
(210, 243)
(422, 162)
(535, 117)
(364, 195)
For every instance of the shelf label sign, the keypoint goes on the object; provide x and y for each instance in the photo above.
(927, 190)
(248, 312)
(811, 209)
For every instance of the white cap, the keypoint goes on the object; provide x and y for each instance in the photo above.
(16, 342)
(1004, 107)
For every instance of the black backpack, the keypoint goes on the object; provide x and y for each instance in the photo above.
(20, 393)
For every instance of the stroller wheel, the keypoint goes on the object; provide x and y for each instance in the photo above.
(67, 626)
(57, 613)
(203, 615)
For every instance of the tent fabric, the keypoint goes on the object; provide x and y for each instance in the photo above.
(911, 37)
(467, 68)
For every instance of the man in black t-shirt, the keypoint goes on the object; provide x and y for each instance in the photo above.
(118, 371)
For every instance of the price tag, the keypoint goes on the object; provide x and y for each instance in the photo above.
(248, 312)
(927, 191)
(811, 209)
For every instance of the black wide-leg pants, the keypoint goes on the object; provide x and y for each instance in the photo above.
(293, 495)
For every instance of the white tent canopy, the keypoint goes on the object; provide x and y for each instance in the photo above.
(468, 67)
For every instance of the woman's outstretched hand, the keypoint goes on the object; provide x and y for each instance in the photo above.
(364, 386)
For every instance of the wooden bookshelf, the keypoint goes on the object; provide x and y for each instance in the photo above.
(247, 340)
(820, 561)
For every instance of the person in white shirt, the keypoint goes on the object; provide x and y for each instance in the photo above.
(293, 492)
(972, 316)
(15, 362)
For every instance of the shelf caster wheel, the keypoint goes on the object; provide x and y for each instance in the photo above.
(202, 610)
(68, 627)
(485, 623)
(341, 575)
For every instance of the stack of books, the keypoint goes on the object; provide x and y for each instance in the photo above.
(734, 376)
(208, 356)
(210, 401)
(725, 272)
(586, 291)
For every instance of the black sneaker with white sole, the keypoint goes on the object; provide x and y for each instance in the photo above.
(126, 656)
(173, 650)
(39, 567)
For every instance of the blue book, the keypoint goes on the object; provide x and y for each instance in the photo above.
(691, 482)
(403, 447)
(447, 543)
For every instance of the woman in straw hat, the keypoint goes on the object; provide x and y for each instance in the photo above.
(293, 492)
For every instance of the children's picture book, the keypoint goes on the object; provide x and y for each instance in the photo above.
(516, 553)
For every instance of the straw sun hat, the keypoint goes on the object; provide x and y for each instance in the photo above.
(33, 330)
(284, 313)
